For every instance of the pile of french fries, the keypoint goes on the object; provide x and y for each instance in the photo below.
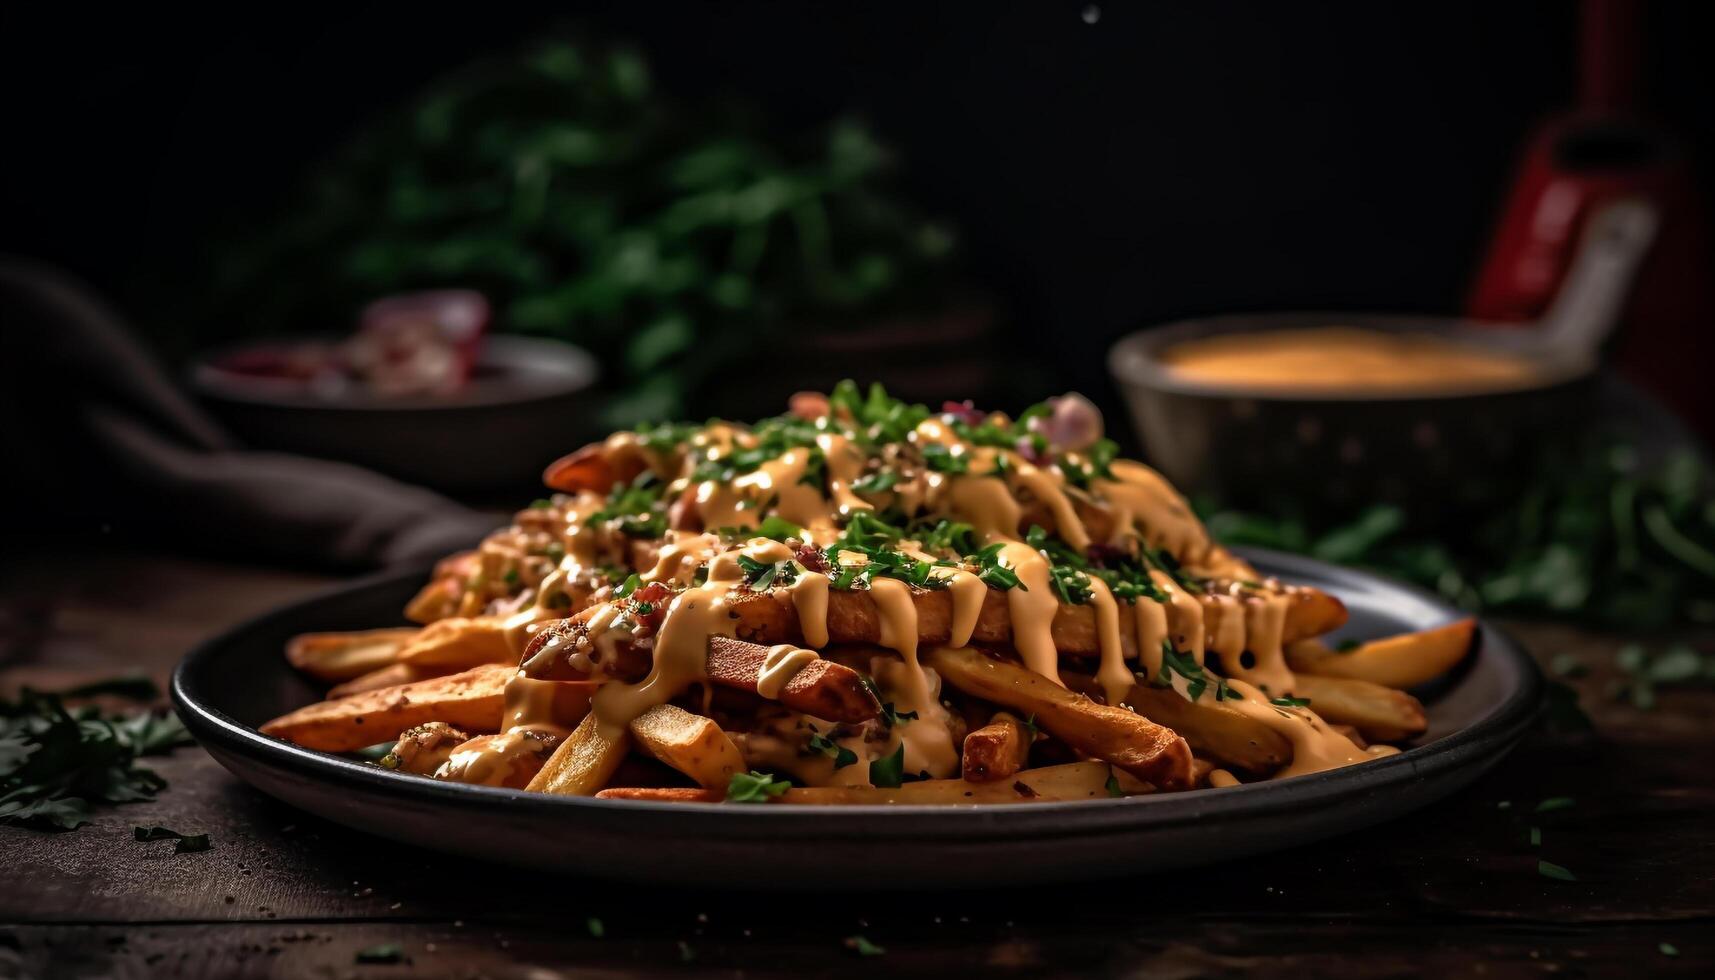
(538, 659)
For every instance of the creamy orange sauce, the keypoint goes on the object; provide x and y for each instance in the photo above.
(1347, 359)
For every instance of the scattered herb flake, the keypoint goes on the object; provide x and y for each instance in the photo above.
(383, 953)
(595, 926)
(1554, 803)
(1667, 949)
(863, 947)
(754, 787)
(888, 772)
(1550, 870)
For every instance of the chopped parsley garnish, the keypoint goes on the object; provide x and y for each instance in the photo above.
(762, 575)
(943, 460)
(636, 509)
(863, 947)
(1172, 662)
(1550, 870)
(994, 574)
(1290, 702)
(778, 528)
(888, 772)
(754, 787)
(595, 927)
(949, 536)
(627, 587)
(1113, 784)
(382, 953)
(877, 482)
(541, 504)
(1554, 803)
(841, 755)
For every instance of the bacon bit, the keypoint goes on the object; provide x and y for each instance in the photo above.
(1022, 790)
(965, 411)
(812, 558)
(809, 405)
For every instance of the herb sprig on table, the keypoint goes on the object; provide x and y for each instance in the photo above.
(1599, 537)
(57, 761)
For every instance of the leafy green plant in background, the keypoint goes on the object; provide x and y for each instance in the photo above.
(1600, 537)
(672, 238)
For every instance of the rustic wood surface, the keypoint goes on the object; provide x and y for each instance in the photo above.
(1449, 891)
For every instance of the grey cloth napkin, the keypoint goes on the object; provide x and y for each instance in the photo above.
(99, 432)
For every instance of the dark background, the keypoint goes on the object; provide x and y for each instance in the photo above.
(1170, 159)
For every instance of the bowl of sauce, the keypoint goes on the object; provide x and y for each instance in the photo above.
(1333, 411)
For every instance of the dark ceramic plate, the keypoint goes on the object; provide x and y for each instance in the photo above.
(227, 686)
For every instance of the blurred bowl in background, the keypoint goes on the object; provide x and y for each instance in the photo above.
(526, 402)
(1441, 452)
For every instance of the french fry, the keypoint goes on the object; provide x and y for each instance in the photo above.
(1050, 784)
(584, 762)
(391, 675)
(996, 750)
(459, 643)
(823, 689)
(690, 743)
(1402, 661)
(1130, 741)
(471, 700)
(1382, 714)
(342, 656)
(1214, 730)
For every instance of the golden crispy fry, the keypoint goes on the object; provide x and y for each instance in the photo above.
(690, 743)
(1402, 661)
(1073, 781)
(584, 762)
(440, 597)
(996, 750)
(1381, 713)
(392, 675)
(1213, 729)
(459, 643)
(343, 656)
(1134, 743)
(471, 700)
(823, 689)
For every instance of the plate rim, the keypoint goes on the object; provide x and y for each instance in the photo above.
(1500, 728)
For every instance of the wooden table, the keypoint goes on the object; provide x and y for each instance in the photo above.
(1452, 890)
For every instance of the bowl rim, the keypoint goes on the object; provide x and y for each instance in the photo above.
(1134, 359)
(1497, 730)
(550, 369)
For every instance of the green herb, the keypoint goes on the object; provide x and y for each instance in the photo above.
(1030, 729)
(1554, 803)
(1113, 784)
(541, 504)
(595, 927)
(754, 787)
(863, 947)
(1348, 645)
(383, 953)
(888, 772)
(1555, 871)
(185, 843)
(841, 755)
(630, 585)
(1290, 702)
(1536, 837)
(1668, 949)
(877, 482)
(778, 528)
(943, 460)
(759, 576)
(1596, 537)
(635, 509)
(56, 761)
(946, 536)
(994, 574)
